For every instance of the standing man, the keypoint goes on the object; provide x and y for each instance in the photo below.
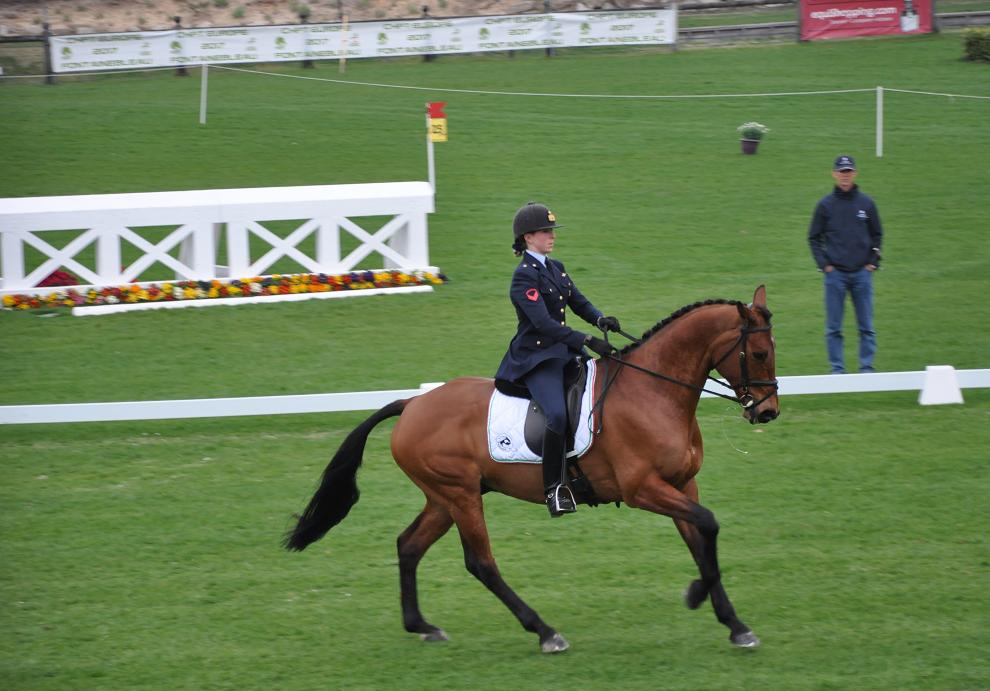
(845, 237)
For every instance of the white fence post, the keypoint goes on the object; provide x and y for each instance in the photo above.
(108, 255)
(879, 122)
(202, 93)
(12, 266)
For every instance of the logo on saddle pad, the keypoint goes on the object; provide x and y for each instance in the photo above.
(533, 294)
(505, 442)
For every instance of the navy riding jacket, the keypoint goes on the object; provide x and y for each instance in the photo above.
(540, 294)
(845, 231)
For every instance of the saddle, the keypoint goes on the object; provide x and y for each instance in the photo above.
(575, 380)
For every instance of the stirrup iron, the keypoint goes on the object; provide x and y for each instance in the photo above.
(560, 500)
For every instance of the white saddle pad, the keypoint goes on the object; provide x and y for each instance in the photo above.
(507, 415)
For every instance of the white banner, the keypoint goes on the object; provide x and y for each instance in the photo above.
(361, 40)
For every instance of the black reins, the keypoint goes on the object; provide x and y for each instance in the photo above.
(746, 400)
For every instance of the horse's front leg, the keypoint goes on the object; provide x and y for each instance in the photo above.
(700, 531)
(704, 551)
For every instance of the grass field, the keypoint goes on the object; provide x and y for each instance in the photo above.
(854, 537)
(145, 555)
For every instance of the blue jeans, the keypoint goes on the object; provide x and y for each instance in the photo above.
(859, 285)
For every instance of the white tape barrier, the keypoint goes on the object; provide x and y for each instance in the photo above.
(372, 400)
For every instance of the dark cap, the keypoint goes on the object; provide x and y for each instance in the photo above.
(844, 163)
(533, 217)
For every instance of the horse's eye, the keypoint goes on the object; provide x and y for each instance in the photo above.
(760, 355)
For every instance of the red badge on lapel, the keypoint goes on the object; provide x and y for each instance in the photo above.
(533, 294)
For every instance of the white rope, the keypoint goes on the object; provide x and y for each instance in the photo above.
(531, 93)
(932, 93)
(493, 93)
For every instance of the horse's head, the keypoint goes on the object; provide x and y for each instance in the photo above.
(748, 363)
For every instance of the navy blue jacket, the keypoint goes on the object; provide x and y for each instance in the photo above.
(845, 231)
(540, 294)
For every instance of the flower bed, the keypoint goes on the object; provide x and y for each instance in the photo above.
(259, 286)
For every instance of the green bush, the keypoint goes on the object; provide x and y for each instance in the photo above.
(976, 43)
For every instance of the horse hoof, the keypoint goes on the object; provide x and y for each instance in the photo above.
(747, 639)
(695, 594)
(433, 636)
(555, 644)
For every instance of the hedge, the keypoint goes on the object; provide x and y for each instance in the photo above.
(976, 43)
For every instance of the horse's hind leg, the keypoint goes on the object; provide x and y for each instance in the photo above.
(703, 547)
(430, 525)
(468, 513)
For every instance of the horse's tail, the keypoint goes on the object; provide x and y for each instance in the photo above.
(338, 490)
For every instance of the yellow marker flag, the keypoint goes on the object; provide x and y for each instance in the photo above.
(438, 121)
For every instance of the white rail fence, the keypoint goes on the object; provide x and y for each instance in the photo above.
(939, 384)
(199, 219)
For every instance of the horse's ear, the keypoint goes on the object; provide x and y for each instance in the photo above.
(760, 297)
(743, 312)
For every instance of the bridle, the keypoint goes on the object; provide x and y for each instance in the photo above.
(746, 400)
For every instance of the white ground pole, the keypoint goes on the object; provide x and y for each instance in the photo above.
(946, 379)
(879, 122)
(430, 167)
(202, 93)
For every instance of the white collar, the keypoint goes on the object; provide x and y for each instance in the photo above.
(542, 258)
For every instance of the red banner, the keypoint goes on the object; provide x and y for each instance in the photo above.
(823, 19)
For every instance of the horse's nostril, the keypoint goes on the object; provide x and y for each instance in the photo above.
(768, 415)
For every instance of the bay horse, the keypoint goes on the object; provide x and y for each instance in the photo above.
(646, 454)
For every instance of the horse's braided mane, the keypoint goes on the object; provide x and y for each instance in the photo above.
(674, 315)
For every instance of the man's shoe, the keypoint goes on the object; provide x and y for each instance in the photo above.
(560, 500)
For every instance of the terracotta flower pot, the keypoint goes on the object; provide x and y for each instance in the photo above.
(749, 145)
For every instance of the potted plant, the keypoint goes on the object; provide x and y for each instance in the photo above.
(751, 133)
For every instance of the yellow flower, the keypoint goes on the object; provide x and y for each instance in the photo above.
(8, 300)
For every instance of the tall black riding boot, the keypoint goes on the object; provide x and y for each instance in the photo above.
(558, 495)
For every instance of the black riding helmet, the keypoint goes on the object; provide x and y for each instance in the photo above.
(531, 218)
